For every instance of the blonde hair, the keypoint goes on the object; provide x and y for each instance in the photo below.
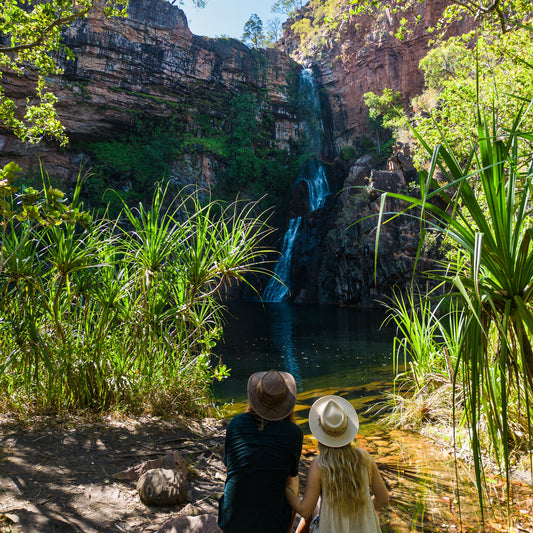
(341, 476)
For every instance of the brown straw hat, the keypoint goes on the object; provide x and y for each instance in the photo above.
(333, 421)
(272, 394)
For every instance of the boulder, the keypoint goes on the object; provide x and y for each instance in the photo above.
(205, 523)
(162, 486)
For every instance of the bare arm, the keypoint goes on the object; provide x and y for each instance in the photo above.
(307, 504)
(380, 493)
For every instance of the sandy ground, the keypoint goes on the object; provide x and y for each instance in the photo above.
(57, 476)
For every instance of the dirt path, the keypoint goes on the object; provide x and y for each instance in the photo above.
(57, 476)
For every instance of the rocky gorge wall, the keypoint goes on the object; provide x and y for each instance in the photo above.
(361, 54)
(151, 64)
(334, 254)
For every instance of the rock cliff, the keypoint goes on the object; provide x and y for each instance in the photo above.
(150, 63)
(150, 68)
(360, 54)
(334, 253)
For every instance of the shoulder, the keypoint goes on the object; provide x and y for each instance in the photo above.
(239, 420)
(288, 432)
(364, 455)
(294, 430)
(313, 474)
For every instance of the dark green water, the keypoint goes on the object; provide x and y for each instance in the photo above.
(329, 350)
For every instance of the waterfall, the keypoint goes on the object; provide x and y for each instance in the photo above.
(276, 291)
(313, 174)
(309, 104)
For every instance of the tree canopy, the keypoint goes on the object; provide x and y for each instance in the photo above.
(30, 37)
(287, 7)
(501, 14)
(252, 34)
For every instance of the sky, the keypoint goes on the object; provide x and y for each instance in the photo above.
(226, 17)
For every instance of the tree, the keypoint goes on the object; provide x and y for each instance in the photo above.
(30, 33)
(274, 31)
(287, 7)
(501, 14)
(253, 32)
(502, 83)
(383, 111)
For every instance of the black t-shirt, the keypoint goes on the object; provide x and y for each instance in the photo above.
(258, 463)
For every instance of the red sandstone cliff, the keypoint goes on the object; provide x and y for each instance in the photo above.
(149, 62)
(362, 54)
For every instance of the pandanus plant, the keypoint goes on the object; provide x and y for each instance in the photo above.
(100, 317)
(482, 206)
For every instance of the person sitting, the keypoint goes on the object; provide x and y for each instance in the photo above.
(342, 475)
(262, 451)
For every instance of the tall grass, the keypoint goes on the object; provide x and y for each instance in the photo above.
(122, 314)
(483, 208)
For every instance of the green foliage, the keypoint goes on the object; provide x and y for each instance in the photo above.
(254, 166)
(347, 153)
(321, 17)
(384, 109)
(427, 342)
(102, 318)
(133, 162)
(252, 34)
(499, 15)
(445, 63)
(502, 82)
(29, 208)
(484, 209)
(31, 33)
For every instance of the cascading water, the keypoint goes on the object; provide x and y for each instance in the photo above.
(313, 174)
(276, 291)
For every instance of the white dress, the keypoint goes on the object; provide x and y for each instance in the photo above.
(365, 521)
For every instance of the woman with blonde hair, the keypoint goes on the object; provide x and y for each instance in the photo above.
(345, 477)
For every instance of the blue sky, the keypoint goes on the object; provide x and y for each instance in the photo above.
(226, 17)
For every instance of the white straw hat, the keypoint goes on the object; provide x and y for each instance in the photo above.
(333, 421)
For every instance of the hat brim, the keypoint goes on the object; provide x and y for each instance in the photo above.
(329, 440)
(281, 410)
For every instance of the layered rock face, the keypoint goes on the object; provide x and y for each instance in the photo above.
(361, 55)
(150, 63)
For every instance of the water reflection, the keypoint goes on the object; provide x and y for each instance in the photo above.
(340, 350)
(282, 338)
